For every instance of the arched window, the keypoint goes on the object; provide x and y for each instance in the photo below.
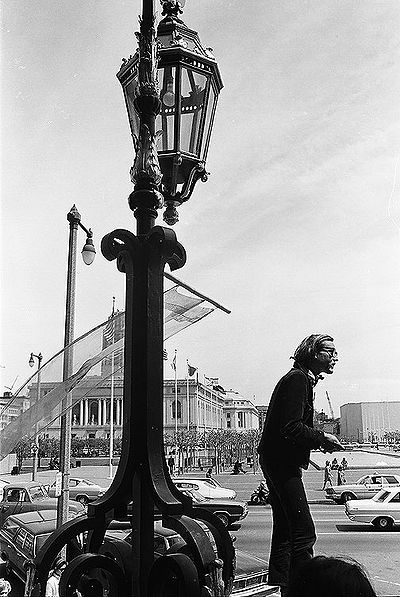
(179, 409)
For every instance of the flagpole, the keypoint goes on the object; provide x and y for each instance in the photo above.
(176, 416)
(187, 394)
(110, 474)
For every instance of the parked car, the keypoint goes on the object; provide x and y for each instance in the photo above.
(22, 535)
(383, 510)
(250, 576)
(229, 511)
(367, 486)
(28, 496)
(81, 490)
(209, 488)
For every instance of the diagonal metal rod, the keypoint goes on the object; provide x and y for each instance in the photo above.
(203, 296)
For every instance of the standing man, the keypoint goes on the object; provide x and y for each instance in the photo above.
(327, 475)
(286, 441)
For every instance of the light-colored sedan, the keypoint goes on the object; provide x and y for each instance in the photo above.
(81, 490)
(366, 487)
(209, 488)
(383, 510)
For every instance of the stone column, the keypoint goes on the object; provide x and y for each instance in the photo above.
(81, 405)
(86, 410)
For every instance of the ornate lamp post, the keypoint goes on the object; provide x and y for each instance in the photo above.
(88, 255)
(39, 358)
(190, 83)
(166, 167)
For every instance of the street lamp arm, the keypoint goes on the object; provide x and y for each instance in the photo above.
(88, 231)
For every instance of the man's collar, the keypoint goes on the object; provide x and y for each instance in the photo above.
(313, 378)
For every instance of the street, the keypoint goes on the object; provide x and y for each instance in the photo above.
(378, 552)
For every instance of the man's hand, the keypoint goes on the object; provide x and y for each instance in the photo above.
(331, 443)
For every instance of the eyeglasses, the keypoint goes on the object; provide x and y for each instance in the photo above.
(331, 351)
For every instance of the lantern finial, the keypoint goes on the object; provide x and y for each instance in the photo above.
(172, 8)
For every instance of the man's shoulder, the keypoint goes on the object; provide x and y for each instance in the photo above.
(294, 374)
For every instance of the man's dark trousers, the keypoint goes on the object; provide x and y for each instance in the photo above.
(293, 531)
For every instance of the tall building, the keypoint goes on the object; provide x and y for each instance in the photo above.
(369, 421)
(240, 413)
(198, 406)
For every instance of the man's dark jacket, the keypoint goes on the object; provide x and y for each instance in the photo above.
(288, 434)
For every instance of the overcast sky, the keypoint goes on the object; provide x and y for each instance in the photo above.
(297, 229)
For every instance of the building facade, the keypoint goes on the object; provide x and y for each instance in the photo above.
(262, 415)
(369, 421)
(239, 412)
(11, 407)
(199, 407)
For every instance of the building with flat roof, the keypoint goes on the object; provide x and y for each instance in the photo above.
(369, 421)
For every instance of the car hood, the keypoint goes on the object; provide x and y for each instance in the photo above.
(219, 503)
(51, 503)
(359, 504)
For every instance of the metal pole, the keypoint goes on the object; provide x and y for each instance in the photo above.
(176, 417)
(187, 396)
(36, 440)
(73, 218)
(110, 465)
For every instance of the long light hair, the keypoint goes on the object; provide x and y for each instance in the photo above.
(309, 347)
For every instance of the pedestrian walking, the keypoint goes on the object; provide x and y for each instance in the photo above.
(171, 465)
(284, 449)
(327, 475)
(344, 464)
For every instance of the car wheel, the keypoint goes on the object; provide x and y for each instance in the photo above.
(383, 523)
(224, 518)
(254, 499)
(346, 496)
(82, 499)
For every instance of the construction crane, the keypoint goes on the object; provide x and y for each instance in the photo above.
(330, 405)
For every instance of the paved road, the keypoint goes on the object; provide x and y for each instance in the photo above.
(379, 552)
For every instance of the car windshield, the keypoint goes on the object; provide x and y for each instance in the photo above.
(381, 496)
(212, 482)
(40, 539)
(363, 480)
(196, 495)
(38, 493)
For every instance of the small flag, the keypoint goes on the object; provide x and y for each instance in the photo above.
(108, 332)
(191, 370)
(173, 364)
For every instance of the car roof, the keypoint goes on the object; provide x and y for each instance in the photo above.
(38, 521)
(25, 484)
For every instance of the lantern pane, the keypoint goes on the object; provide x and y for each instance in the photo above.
(165, 120)
(207, 126)
(130, 90)
(193, 88)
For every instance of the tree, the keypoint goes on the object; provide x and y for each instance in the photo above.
(23, 450)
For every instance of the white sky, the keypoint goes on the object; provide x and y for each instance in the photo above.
(297, 229)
